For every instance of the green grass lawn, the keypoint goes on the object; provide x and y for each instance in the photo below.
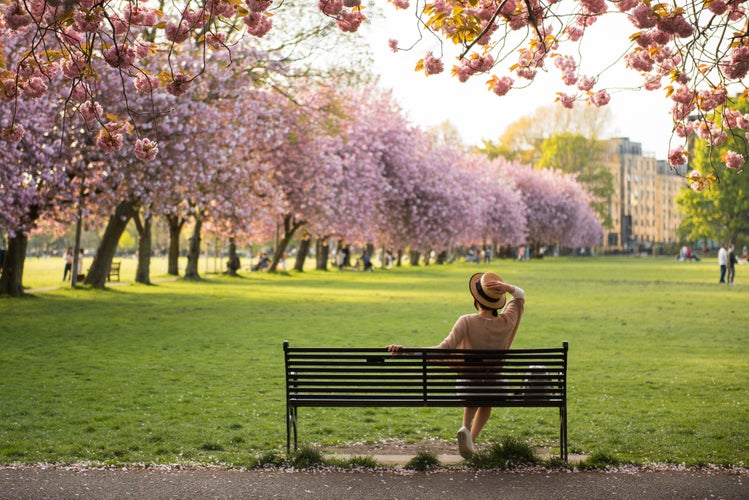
(192, 372)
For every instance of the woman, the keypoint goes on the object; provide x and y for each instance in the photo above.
(485, 329)
(68, 257)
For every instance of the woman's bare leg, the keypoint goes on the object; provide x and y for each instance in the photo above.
(468, 414)
(482, 417)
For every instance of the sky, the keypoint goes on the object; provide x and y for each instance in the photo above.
(478, 114)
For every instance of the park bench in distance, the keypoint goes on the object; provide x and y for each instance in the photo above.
(373, 377)
(114, 271)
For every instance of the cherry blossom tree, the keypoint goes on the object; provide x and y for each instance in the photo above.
(558, 208)
(35, 184)
(502, 218)
(36, 178)
(358, 191)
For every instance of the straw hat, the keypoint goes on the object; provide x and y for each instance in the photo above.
(488, 298)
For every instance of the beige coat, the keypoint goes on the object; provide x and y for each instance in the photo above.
(472, 331)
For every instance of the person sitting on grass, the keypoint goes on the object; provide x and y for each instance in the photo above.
(485, 329)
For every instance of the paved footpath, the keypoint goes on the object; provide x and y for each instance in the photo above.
(53, 483)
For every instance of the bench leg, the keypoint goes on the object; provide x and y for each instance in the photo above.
(291, 414)
(563, 452)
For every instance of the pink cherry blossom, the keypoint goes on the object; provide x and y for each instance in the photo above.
(108, 142)
(432, 65)
(501, 86)
(600, 98)
(330, 7)
(258, 5)
(258, 24)
(122, 56)
(677, 156)
(179, 85)
(733, 160)
(350, 21)
(91, 110)
(146, 150)
(566, 100)
(177, 33)
(16, 16)
(13, 133)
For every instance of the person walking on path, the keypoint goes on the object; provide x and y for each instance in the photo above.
(485, 329)
(731, 262)
(722, 262)
(68, 257)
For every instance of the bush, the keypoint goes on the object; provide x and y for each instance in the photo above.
(506, 454)
(270, 459)
(424, 460)
(355, 462)
(600, 460)
(307, 457)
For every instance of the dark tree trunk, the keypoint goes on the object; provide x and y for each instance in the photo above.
(414, 255)
(321, 254)
(290, 225)
(175, 229)
(302, 252)
(143, 273)
(99, 270)
(233, 264)
(400, 258)
(11, 281)
(193, 253)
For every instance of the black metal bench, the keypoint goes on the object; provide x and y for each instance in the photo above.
(373, 377)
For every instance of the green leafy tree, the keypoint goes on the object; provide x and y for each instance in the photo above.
(720, 212)
(576, 154)
(523, 139)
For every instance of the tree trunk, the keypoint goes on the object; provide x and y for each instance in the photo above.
(290, 225)
(99, 270)
(321, 254)
(175, 229)
(414, 255)
(302, 252)
(193, 253)
(400, 258)
(11, 281)
(143, 273)
(233, 264)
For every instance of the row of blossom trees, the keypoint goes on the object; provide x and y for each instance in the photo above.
(236, 159)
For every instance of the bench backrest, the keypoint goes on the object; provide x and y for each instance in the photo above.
(334, 376)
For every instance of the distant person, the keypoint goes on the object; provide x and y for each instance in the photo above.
(262, 262)
(486, 329)
(68, 257)
(722, 262)
(367, 261)
(731, 262)
(345, 257)
(80, 274)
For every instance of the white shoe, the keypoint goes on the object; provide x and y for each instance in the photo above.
(465, 443)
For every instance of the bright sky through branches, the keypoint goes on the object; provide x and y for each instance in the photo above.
(477, 113)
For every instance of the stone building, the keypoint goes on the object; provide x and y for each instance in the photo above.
(643, 207)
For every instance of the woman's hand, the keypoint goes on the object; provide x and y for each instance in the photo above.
(394, 348)
(499, 286)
